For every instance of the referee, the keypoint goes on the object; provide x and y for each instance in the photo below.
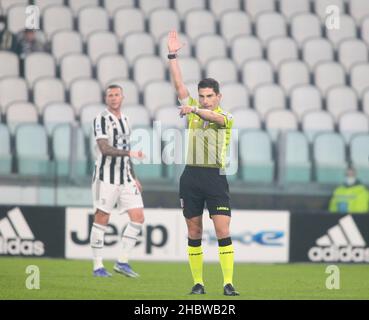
(202, 180)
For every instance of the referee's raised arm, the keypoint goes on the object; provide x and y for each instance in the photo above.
(174, 45)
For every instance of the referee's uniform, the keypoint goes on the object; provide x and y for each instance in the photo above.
(113, 183)
(201, 181)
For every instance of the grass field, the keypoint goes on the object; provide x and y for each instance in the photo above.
(63, 279)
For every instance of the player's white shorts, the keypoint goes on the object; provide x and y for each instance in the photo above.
(106, 196)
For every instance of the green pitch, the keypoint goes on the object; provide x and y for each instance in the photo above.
(70, 279)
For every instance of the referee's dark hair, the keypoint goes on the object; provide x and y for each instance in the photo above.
(209, 83)
(114, 86)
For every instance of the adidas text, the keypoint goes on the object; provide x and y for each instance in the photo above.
(336, 254)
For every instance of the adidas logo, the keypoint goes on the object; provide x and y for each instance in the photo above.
(16, 237)
(342, 243)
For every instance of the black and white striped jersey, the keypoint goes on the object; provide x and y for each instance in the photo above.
(113, 170)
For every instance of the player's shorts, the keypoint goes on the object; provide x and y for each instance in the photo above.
(107, 196)
(203, 185)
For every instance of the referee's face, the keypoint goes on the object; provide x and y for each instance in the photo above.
(114, 98)
(208, 98)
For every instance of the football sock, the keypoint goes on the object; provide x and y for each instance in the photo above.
(195, 257)
(226, 257)
(129, 240)
(97, 244)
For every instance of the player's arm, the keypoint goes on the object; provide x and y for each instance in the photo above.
(174, 45)
(204, 114)
(110, 151)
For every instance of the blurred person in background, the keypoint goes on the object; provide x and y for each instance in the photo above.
(351, 197)
(7, 39)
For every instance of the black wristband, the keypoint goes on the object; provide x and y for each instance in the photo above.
(172, 56)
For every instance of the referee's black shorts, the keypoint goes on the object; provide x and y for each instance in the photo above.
(200, 185)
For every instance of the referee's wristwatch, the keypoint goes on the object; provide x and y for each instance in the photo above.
(172, 56)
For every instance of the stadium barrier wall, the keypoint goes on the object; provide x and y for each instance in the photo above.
(258, 236)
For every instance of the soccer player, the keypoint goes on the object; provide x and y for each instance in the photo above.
(114, 183)
(202, 180)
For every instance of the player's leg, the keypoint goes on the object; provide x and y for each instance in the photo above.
(104, 198)
(192, 203)
(130, 201)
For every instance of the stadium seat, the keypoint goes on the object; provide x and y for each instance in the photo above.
(359, 10)
(130, 90)
(293, 73)
(161, 21)
(101, 43)
(137, 44)
(351, 123)
(327, 75)
(112, 6)
(43, 4)
(222, 69)
(346, 31)
(147, 6)
(270, 25)
(360, 77)
(359, 156)
(7, 4)
(315, 122)
(280, 49)
(305, 98)
(277, 121)
(198, 23)
(92, 19)
(321, 6)
(317, 50)
(329, 158)
(32, 158)
(365, 30)
(46, 91)
(9, 66)
(84, 92)
(110, 67)
(147, 69)
(305, 26)
(16, 18)
(20, 112)
(257, 164)
(183, 7)
(352, 51)
(218, 7)
(365, 101)
(55, 114)
(192, 87)
(63, 136)
(87, 115)
(74, 66)
(210, 46)
(78, 6)
(245, 119)
(234, 24)
(38, 65)
(158, 94)
(186, 50)
(57, 18)
(234, 95)
(256, 7)
(341, 99)
(168, 116)
(12, 89)
(268, 97)
(297, 165)
(5, 151)
(190, 69)
(290, 8)
(138, 115)
(65, 42)
(128, 20)
(244, 48)
(257, 72)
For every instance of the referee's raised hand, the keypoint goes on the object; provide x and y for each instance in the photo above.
(137, 154)
(174, 44)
